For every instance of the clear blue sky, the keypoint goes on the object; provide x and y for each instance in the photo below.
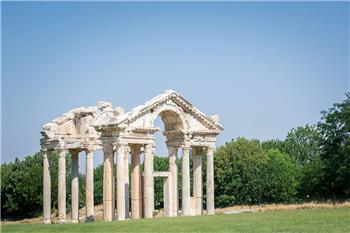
(263, 67)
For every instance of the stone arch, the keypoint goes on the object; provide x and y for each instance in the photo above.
(172, 117)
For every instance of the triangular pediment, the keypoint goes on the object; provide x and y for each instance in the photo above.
(196, 120)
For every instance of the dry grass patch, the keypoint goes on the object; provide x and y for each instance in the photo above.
(277, 207)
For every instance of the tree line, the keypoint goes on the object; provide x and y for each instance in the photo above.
(311, 163)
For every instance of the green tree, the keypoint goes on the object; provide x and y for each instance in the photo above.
(22, 186)
(280, 174)
(238, 172)
(273, 144)
(98, 184)
(303, 144)
(335, 131)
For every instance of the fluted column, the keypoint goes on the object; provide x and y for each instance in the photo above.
(75, 186)
(197, 179)
(46, 187)
(108, 182)
(148, 192)
(210, 181)
(186, 192)
(173, 170)
(126, 176)
(62, 186)
(89, 190)
(121, 151)
(136, 205)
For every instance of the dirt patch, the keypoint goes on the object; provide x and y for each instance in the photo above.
(276, 207)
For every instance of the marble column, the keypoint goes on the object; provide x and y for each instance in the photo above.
(126, 176)
(168, 196)
(173, 170)
(210, 181)
(108, 182)
(75, 186)
(197, 180)
(136, 193)
(121, 151)
(114, 186)
(89, 190)
(148, 192)
(46, 186)
(186, 192)
(62, 186)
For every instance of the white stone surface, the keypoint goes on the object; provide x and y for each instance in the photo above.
(136, 191)
(75, 187)
(107, 183)
(121, 151)
(46, 187)
(186, 193)
(62, 186)
(89, 190)
(108, 128)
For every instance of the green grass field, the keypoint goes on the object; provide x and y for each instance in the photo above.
(311, 220)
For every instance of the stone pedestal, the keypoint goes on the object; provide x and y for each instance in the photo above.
(46, 187)
(89, 191)
(75, 186)
(62, 186)
(210, 181)
(107, 182)
(186, 193)
(197, 180)
(148, 192)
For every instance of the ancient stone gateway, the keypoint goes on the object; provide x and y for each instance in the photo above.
(120, 135)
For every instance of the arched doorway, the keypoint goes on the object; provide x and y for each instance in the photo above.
(166, 159)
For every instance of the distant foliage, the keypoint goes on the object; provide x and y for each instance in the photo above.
(280, 174)
(245, 173)
(159, 164)
(21, 186)
(335, 149)
(98, 184)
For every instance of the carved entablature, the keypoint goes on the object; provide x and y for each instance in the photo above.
(92, 126)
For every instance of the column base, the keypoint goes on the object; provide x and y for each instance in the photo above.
(211, 211)
(61, 221)
(47, 221)
(75, 221)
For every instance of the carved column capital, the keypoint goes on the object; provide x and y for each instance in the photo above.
(89, 149)
(135, 149)
(186, 149)
(148, 148)
(210, 149)
(172, 150)
(61, 153)
(197, 150)
(107, 149)
(89, 154)
(74, 154)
